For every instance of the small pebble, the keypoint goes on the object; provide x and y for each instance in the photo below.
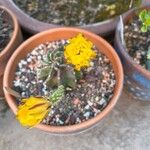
(76, 101)
(102, 101)
(87, 107)
(87, 115)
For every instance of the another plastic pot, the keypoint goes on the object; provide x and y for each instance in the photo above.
(15, 40)
(57, 34)
(137, 79)
(34, 26)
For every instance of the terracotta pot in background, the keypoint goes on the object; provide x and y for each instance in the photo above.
(34, 26)
(137, 79)
(57, 34)
(12, 45)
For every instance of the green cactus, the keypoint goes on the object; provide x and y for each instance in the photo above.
(44, 72)
(79, 75)
(68, 78)
(55, 72)
(57, 95)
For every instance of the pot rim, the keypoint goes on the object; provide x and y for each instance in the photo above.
(83, 125)
(123, 48)
(22, 16)
(14, 33)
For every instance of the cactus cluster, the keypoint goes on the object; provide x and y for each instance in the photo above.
(54, 71)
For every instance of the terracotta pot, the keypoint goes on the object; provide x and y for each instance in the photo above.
(57, 34)
(1, 86)
(34, 26)
(13, 43)
(137, 79)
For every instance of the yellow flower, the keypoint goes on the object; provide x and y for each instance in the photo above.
(32, 111)
(79, 52)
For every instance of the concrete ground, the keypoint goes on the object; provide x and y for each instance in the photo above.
(127, 127)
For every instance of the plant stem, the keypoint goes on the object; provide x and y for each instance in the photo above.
(131, 4)
(13, 92)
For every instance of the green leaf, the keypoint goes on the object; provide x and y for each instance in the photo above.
(144, 28)
(144, 16)
(147, 22)
(57, 95)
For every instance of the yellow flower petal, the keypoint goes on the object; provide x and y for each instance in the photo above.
(32, 111)
(79, 52)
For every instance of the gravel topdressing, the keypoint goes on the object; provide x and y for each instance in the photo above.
(6, 30)
(75, 12)
(91, 95)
